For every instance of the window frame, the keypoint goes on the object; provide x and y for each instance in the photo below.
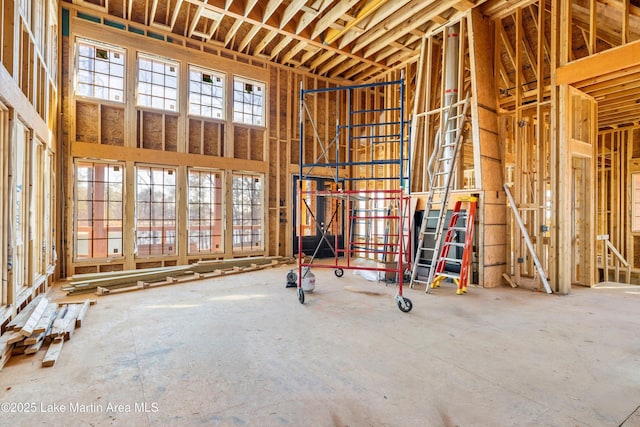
(223, 99)
(166, 62)
(76, 202)
(173, 246)
(218, 200)
(262, 223)
(94, 44)
(263, 87)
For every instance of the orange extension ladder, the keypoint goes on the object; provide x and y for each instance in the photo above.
(461, 278)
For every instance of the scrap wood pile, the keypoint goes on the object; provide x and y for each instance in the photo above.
(39, 324)
(131, 280)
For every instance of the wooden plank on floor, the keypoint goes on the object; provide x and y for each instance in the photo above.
(15, 337)
(22, 317)
(53, 352)
(34, 318)
(33, 339)
(70, 318)
(35, 347)
(82, 312)
(509, 280)
(47, 318)
(58, 323)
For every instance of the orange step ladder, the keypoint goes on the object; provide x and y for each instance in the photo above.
(462, 277)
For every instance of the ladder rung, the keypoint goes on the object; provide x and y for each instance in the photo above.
(419, 281)
(456, 260)
(458, 244)
(449, 275)
(458, 228)
(423, 265)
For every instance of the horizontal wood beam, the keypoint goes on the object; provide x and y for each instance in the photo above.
(601, 63)
(90, 150)
(13, 97)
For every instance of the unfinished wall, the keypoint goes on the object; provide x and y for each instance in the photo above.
(130, 135)
(120, 130)
(28, 123)
(617, 198)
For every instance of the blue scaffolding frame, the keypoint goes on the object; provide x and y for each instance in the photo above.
(391, 132)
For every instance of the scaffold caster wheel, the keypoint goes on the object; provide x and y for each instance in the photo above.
(338, 272)
(301, 295)
(404, 304)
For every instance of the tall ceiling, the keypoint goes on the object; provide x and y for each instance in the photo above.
(359, 40)
(350, 39)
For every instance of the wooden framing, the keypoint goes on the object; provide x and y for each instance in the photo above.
(28, 82)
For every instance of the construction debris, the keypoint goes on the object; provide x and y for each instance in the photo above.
(133, 280)
(39, 323)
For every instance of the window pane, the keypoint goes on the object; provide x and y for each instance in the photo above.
(206, 88)
(247, 102)
(98, 210)
(158, 78)
(205, 190)
(247, 212)
(155, 211)
(98, 70)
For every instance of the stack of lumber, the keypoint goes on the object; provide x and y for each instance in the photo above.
(132, 280)
(39, 323)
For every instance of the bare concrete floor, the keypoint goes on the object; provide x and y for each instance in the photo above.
(241, 351)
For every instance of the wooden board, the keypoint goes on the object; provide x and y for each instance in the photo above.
(46, 319)
(34, 318)
(53, 352)
(22, 317)
(82, 312)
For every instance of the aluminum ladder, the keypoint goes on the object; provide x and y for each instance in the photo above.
(441, 170)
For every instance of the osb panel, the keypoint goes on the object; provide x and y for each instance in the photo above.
(257, 144)
(492, 178)
(117, 8)
(494, 235)
(139, 11)
(283, 94)
(111, 267)
(213, 139)
(171, 133)
(273, 172)
(151, 264)
(636, 143)
(332, 117)
(186, 9)
(274, 92)
(494, 255)
(112, 125)
(495, 214)
(241, 143)
(272, 226)
(163, 12)
(85, 269)
(492, 276)
(151, 130)
(86, 123)
(284, 242)
(195, 136)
